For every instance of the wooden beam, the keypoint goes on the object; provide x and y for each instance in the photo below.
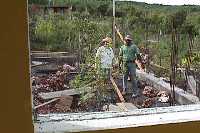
(69, 92)
(57, 94)
(129, 106)
(117, 90)
(122, 106)
(38, 65)
(119, 107)
(46, 54)
(53, 58)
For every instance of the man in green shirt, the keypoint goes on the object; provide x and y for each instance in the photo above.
(128, 54)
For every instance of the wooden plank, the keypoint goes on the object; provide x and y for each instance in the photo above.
(55, 57)
(122, 106)
(57, 94)
(69, 92)
(43, 57)
(119, 107)
(39, 65)
(39, 51)
(113, 107)
(129, 106)
(53, 100)
(117, 90)
(47, 52)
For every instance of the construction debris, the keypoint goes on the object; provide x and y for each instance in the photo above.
(154, 96)
(150, 92)
(163, 96)
(148, 102)
(51, 93)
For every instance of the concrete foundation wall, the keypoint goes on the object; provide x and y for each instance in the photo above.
(181, 96)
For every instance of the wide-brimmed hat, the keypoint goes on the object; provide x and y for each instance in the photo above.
(128, 37)
(107, 39)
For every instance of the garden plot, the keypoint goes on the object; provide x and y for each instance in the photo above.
(52, 94)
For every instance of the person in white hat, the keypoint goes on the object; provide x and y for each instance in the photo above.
(104, 58)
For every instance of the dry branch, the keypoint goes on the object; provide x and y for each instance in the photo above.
(53, 100)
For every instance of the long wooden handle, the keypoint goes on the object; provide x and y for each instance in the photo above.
(120, 35)
(122, 106)
(117, 90)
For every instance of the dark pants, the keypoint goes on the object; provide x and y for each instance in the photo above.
(130, 69)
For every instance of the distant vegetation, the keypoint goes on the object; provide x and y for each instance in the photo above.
(91, 20)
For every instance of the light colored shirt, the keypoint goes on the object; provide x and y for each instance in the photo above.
(105, 55)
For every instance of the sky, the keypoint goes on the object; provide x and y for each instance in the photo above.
(169, 2)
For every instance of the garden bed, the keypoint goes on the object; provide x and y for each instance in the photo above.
(52, 82)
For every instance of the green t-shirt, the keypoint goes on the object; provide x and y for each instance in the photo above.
(128, 53)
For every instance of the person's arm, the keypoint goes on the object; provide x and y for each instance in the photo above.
(120, 35)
